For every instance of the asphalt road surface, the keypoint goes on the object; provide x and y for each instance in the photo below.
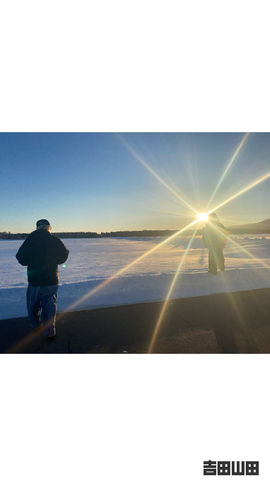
(236, 322)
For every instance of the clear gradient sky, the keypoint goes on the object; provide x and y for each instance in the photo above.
(99, 181)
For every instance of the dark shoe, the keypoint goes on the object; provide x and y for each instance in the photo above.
(51, 338)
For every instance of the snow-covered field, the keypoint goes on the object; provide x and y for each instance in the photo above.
(92, 261)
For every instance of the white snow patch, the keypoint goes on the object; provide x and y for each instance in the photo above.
(92, 261)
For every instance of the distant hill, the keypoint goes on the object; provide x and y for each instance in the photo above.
(261, 227)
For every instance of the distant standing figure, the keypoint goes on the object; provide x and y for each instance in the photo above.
(214, 238)
(42, 252)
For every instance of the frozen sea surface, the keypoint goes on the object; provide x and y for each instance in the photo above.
(92, 261)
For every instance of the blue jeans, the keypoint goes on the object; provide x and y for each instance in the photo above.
(42, 306)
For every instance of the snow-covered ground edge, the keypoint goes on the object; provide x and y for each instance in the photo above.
(139, 289)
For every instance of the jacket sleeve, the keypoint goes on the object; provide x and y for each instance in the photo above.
(61, 252)
(24, 253)
(223, 236)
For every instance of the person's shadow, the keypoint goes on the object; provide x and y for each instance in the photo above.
(226, 341)
(233, 321)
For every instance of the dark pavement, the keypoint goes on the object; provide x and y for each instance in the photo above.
(223, 323)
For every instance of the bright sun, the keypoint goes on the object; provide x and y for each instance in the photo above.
(202, 216)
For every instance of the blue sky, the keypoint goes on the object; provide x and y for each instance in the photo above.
(100, 181)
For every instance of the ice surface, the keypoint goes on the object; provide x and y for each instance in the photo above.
(92, 261)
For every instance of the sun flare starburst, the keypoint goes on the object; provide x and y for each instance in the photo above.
(202, 216)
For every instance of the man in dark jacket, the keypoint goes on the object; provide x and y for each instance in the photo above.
(42, 252)
(214, 238)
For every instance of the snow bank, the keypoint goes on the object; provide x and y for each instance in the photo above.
(131, 290)
(91, 262)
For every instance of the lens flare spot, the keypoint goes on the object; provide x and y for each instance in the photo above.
(63, 266)
(202, 216)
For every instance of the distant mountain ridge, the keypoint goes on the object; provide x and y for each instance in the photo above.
(261, 226)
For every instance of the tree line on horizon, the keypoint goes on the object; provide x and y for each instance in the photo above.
(127, 234)
(88, 234)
